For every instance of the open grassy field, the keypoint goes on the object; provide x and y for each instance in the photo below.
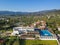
(39, 42)
(17, 41)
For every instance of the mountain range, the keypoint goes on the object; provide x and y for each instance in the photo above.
(45, 12)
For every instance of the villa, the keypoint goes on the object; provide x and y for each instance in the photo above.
(32, 33)
(41, 33)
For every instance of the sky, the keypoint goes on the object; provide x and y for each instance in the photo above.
(29, 5)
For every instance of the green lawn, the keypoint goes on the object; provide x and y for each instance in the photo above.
(16, 42)
(39, 42)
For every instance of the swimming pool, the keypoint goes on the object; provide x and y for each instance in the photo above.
(45, 33)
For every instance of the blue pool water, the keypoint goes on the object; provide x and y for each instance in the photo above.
(45, 33)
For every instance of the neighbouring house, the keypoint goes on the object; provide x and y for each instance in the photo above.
(58, 28)
(2, 40)
(42, 27)
(2, 18)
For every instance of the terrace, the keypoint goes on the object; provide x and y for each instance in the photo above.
(46, 35)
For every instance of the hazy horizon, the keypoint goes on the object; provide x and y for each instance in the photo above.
(28, 5)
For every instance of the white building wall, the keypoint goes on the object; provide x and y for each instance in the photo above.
(16, 30)
(48, 37)
(58, 29)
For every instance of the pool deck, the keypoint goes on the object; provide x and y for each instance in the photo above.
(45, 33)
